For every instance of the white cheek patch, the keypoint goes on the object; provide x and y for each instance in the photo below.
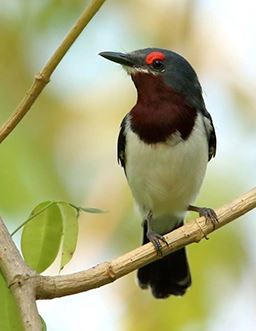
(136, 70)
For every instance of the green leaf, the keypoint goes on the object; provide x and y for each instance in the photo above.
(9, 314)
(41, 236)
(70, 232)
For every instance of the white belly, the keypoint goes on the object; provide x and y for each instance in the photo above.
(166, 178)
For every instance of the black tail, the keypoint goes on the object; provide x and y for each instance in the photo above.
(167, 276)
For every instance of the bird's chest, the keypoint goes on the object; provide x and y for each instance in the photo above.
(166, 177)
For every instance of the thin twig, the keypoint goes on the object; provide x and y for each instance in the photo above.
(43, 77)
(104, 273)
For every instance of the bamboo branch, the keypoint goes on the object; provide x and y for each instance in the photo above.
(104, 273)
(43, 77)
(21, 280)
(27, 286)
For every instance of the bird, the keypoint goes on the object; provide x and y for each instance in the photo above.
(164, 145)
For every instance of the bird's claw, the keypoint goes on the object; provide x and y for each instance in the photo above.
(155, 239)
(209, 215)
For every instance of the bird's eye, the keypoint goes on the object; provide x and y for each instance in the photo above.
(158, 65)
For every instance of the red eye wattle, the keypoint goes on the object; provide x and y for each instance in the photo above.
(153, 56)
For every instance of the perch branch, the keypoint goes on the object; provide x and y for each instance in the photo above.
(21, 280)
(43, 77)
(101, 274)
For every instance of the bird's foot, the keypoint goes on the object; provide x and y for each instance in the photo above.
(208, 213)
(155, 239)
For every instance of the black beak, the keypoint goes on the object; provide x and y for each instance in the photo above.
(121, 58)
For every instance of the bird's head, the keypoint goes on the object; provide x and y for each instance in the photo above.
(166, 66)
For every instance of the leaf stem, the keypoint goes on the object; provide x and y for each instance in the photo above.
(77, 208)
(31, 217)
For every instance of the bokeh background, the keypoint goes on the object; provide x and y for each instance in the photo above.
(65, 149)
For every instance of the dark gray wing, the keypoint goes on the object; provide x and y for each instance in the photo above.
(121, 144)
(209, 127)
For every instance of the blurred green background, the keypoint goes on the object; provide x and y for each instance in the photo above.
(65, 149)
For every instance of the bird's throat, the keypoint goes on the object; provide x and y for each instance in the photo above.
(160, 111)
